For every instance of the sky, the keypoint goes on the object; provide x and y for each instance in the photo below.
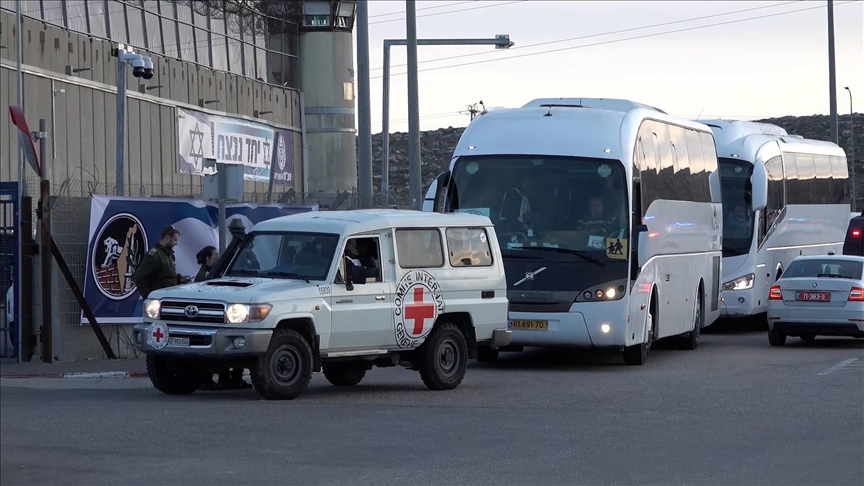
(773, 65)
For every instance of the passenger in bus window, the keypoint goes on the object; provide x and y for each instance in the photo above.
(738, 221)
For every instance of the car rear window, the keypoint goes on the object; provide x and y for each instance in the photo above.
(827, 267)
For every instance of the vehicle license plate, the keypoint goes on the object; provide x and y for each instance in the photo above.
(530, 325)
(813, 296)
(178, 341)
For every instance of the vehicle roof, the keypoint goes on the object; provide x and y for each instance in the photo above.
(363, 220)
(838, 256)
(744, 139)
(561, 130)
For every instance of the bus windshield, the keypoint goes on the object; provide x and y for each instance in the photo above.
(737, 210)
(566, 205)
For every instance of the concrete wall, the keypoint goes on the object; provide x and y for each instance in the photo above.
(81, 111)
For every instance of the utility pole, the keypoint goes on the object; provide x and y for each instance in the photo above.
(832, 75)
(415, 184)
(474, 109)
(364, 125)
(853, 166)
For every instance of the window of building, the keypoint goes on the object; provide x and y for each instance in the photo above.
(419, 248)
(468, 247)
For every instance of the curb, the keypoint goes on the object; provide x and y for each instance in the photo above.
(97, 375)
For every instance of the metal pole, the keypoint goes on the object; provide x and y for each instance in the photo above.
(364, 125)
(22, 184)
(121, 123)
(414, 182)
(854, 166)
(385, 128)
(46, 334)
(222, 224)
(832, 75)
(274, 152)
(304, 147)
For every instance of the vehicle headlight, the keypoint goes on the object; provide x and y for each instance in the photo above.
(151, 308)
(604, 292)
(240, 313)
(741, 283)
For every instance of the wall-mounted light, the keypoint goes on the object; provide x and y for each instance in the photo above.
(259, 113)
(144, 88)
(71, 70)
(202, 102)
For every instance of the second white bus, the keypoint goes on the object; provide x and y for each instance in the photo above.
(609, 219)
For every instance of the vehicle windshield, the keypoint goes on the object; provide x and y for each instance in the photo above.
(737, 210)
(292, 255)
(824, 267)
(569, 205)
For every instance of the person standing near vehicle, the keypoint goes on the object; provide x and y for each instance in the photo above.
(158, 269)
(229, 379)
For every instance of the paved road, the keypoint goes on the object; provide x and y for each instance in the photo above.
(735, 411)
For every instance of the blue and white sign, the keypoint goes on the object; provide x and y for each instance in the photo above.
(123, 229)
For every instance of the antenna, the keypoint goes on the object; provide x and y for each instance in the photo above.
(700, 113)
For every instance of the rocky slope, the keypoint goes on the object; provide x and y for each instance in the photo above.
(437, 147)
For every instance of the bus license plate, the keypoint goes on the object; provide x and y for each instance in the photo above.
(178, 341)
(530, 325)
(813, 296)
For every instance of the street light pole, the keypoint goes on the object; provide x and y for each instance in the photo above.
(854, 166)
(414, 173)
(500, 41)
(364, 132)
(832, 75)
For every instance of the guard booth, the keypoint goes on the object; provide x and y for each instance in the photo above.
(854, 244)
(8, 269)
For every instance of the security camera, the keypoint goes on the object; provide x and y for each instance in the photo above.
(148, 68)
(137, 63)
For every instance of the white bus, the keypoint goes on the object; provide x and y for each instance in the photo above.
(783, 196)
(569, 184)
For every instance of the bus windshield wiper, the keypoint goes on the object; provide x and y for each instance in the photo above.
(582, 254)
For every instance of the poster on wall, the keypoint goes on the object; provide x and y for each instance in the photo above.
(205, 139)
(123, 229)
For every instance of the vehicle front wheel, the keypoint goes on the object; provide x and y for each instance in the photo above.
(170, 379)
(776, 338)
(637, 355)
(443, 357)
(485, 354)
(283, 373)
(344, 373)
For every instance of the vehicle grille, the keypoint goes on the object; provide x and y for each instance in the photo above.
(208, 312)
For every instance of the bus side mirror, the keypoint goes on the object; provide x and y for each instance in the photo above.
(640, 235)
(442, 184)
(759, 181)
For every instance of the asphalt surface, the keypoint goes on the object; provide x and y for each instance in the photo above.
(735, 411)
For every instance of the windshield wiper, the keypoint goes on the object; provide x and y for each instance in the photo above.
(829, 275)
(583, 254)
(289, 275)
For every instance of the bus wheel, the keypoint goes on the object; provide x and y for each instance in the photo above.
(636, 355)
(690, 341)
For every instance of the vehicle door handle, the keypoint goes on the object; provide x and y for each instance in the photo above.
(379, 297)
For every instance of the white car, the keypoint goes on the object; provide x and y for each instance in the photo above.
(818, 296)
(337, 291)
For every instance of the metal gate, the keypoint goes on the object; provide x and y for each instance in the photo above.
(8, 264)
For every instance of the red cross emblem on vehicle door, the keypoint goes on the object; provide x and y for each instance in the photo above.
(419, 311)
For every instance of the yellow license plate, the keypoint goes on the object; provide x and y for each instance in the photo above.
(531, 325)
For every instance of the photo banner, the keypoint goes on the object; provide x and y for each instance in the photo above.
(204, 140)
(123, 229)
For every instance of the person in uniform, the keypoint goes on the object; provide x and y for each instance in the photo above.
(158, 269)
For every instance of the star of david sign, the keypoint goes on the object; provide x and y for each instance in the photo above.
(196, 151)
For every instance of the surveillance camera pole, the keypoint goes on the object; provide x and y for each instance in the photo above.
(123, 57)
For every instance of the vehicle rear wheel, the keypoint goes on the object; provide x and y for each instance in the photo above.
(283, 373)
(171, 379)
(443, 357)
(485, 354)
(344, 373)
(776, 338)
(690, 341)
(637, 355)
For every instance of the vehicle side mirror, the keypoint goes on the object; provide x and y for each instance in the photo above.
(759, 181)
(442, 184)
(640, 235)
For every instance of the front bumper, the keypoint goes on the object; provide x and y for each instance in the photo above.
(211, 342)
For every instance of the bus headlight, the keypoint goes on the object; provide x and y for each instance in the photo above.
(741, 283)
(604, 292)
(240, 313)
(151, 308)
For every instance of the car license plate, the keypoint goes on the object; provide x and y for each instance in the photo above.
(178, 341)
(530, 325)
(813, 296)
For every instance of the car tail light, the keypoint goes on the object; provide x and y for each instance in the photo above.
(856, 233)
(775, 293)
(856, 294)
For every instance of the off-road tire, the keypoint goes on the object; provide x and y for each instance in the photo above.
(690, 341)
(485, 354)
(346, 373)
(170, 379)
(283, 373)
(443, 357)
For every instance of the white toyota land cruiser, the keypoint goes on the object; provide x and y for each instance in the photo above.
(340, 291)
